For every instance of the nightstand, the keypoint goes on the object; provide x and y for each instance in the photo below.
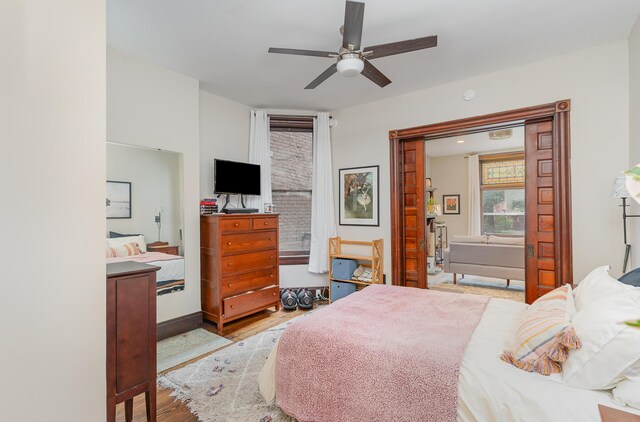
(163, 247)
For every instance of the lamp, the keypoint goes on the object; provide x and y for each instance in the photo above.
(620, 191)
(350, 65)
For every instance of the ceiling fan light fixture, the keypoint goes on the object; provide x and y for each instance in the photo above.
(350, 65)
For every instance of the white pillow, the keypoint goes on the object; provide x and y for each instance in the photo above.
(610, 349)
(502, 240)
(627, 393)
(597, 285)
(468, 239)
(119, 241)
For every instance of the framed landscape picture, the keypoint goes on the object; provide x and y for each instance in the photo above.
(359, 196)
(451, 204)
(118, 199)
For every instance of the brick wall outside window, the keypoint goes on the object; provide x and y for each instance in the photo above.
(291, 173)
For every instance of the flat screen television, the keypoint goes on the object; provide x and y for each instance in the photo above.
(232, 177)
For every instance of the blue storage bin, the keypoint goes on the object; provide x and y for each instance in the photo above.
(340, 289)
(343, 268)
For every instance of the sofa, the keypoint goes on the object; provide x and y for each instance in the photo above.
(487, 256)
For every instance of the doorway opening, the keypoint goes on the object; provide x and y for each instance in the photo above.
(547, 220)
(475, 216)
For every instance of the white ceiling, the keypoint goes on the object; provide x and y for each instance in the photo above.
(477, 142)
(223, 43)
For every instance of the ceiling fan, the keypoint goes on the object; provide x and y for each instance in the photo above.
(351, 60)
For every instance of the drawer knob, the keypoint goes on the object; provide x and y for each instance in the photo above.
(266, 222)
(231, 306)
(271, 275)
(236, 225)
(271, 239)
(228, 243)
(228, 285)
(228, 264)
(274, 293)
(271, 257)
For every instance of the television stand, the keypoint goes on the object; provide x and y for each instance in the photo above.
(243, 210)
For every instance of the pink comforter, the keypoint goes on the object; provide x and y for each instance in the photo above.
(386, 353)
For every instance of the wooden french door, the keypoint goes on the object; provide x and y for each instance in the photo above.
(548, 248)
(544, 226)
(414, 259)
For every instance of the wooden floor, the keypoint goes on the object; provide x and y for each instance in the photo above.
(174, 410)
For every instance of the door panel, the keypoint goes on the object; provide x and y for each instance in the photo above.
(414, 261)
(541, 206)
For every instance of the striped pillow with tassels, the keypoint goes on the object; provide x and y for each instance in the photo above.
(545, 336)
(128, 249)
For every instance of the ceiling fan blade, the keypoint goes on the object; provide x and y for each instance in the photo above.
(352, 29)
(400, 47)
(323, 76)
(297, 52)
(371, 72)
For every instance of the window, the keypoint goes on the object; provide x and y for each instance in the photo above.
(291, 175)
(502, 191)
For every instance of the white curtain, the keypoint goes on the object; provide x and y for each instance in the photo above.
(474, 220)
(323, 225)
(260, 153)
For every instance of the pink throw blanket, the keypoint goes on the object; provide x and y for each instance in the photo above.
(386, 353)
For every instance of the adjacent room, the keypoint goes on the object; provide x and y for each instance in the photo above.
(281, 211)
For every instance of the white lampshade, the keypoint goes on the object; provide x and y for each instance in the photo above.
(633, 182)
(619, 187)
(350, 66)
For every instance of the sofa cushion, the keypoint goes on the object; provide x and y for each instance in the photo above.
(503, 240)
(468, 239)
(483, 254)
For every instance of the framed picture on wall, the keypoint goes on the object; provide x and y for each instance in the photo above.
(359, 196)
(118, 199)
(451, 204)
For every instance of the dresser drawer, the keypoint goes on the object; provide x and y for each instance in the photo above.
(237, 305)
(248, 261)
(241, 283)
(230, 224)
(265, 223)
(246, 242)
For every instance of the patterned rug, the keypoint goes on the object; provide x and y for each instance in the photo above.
(224, 385)
(477, 285)
(184, 347)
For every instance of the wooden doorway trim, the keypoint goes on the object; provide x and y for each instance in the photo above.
(558, 112)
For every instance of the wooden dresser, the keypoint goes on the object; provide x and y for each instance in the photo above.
(238, 265)
(131, 337)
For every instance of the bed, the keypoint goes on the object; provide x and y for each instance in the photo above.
(487, 388)
(170, 277)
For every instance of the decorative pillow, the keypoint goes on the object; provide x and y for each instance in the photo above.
(468, 239)
(119, 241)
(544, 336)
(627, 393)
(597, 285)
(632, 278)
(129, 249)
(611, 349)
(502, 240)
(114, 235)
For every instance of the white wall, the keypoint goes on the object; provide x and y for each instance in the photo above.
(52, 167)
(596, 80)
(634, 143)
(155, 181)
(153, 107)
(450, 175)
(224, 134)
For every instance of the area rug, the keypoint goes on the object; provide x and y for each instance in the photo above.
(477, 285)
(184, 347)
(224, 385)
